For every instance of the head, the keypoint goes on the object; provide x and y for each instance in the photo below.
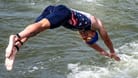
(93, 39)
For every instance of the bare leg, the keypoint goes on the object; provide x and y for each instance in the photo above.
(28, 32)
(35, 28)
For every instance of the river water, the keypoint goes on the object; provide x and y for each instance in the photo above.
(61, 53)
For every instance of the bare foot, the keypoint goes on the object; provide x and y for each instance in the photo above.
(10, 53)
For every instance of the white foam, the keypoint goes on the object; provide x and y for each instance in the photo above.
(33, 69)
(90, 0)
(94, 1)
(126, 68)
(129, 47)
(86, 71)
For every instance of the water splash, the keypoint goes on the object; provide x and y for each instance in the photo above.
(90, 0)
(126, 68)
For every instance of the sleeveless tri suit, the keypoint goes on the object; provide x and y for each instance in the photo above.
(61, 15)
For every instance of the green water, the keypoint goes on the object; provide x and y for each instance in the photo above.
(60, 53)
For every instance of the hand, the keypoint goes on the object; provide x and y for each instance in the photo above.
(105, 54)
(113, 55)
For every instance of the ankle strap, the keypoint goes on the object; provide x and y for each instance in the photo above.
(19, 39)
(20, 42)
(16, 47)
(18, 35)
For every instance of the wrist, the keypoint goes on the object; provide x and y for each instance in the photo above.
(112, 51)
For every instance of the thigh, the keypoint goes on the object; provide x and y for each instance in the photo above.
(59, 15)
(45, 12)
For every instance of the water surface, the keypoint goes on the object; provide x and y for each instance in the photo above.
(60, 53)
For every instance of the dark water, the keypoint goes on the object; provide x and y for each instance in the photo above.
(60, 53)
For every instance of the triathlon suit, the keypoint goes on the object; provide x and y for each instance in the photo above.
(72, 19)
